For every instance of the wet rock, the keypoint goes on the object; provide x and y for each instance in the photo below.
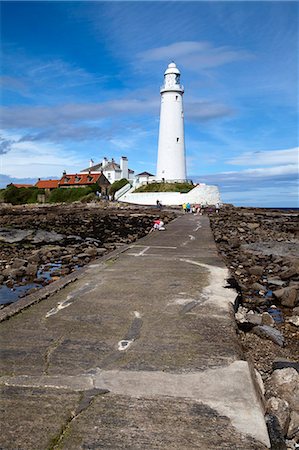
(275, 281)
(275, 433)
(42, 236)
(267, 332)
(287, 296)
(12, 236)
(293, 430)
(283, 364)
(281, 409)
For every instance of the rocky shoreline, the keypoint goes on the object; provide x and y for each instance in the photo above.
(41, 244)
(261, 250)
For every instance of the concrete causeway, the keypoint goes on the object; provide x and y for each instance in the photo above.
(140, 352)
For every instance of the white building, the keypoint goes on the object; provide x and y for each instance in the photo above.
(171, 165)
(111, 169)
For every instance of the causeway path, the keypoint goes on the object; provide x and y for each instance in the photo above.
(140, 352)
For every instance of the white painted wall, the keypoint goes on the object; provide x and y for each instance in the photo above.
(171, 164)
(203, 194)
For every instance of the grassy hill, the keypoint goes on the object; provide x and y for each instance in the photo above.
(165, 187)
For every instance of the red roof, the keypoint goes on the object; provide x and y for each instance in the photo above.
(81, 179)
(21, 185)
(47, 184)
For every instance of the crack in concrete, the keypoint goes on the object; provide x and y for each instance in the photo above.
(85, 401)
(221, 389)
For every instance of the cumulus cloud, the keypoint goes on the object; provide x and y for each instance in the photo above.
(195, 55)
(267, 158)
(31, 159)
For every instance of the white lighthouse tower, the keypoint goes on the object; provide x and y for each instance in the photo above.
(171, 165)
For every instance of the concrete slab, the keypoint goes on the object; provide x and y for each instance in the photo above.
(154, 326)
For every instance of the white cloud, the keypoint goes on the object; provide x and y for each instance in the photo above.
(31, 159)
(267, 158)
(195, 55)
(267, 171)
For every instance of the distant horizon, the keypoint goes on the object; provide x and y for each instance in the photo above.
(81, 80)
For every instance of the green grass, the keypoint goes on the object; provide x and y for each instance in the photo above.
(69, 195)
(117, 185)
(20, 196)
(165, 187)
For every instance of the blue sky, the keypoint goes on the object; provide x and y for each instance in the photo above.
(81, 80)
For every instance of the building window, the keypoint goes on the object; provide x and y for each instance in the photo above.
(108, 175)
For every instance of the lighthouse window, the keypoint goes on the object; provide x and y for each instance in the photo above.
(176, 97)
(177, 139)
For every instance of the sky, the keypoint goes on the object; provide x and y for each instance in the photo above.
(81, 80)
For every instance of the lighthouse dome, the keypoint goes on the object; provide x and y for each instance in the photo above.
(172, 68)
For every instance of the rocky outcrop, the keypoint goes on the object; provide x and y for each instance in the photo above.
(41, 244)
(261, 249)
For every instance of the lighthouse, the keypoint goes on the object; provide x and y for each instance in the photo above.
(171, 165)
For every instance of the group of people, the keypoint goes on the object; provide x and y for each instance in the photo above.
(195, 209)
(198, 208)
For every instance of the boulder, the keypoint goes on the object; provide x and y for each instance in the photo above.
(291, 272)
(294, 320)
(267, 319)
(91, 251)
(18, 262)
(31, 269)
(286, 383)
(256, 270)
(253, 225)
(287, 296)
(266, 332)
(281, 409)
(254, 318)
(275, 281)
(296, 311)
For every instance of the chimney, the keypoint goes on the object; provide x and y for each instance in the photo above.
(64, 172)
(124, 167)
(104, 162)
(91, 162)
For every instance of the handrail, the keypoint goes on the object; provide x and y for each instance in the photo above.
(123, 190)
